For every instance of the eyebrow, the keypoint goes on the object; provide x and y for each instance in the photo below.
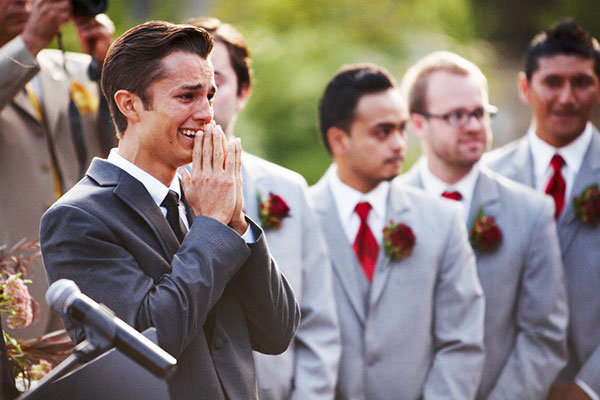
(191, 87)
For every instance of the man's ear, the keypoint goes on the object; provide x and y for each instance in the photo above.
(129, 104)
(242, 97)
(417, 123)
(338, 140)
(523, 86)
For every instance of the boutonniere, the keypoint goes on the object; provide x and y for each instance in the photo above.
(485, 233)
(272, 211)
(398, 241)
(83, 99)
(587, 206)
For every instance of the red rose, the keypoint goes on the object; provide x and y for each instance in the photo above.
(587, 206)
(485, 234)
(398, 240)
(272, 211)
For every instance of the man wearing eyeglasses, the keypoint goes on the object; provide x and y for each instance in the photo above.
(511, 228)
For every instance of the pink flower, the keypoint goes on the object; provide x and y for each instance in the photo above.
(38, 371)
(18, 302)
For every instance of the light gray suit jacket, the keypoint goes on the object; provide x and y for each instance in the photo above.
(308, 368)
(580, 248)
(417, 331)
(110, 237)
(523, 283)
(27, 180)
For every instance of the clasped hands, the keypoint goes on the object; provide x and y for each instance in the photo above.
(214, 188)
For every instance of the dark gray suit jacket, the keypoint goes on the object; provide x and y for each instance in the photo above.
(580, 248)
(109, 236)
(523, 283)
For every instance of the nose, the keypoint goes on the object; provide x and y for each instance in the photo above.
(397, 141)
(203, 111)
(567, 94)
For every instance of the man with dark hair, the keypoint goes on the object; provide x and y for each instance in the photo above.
(39, 158)
(560, 155)
(518, 257)
(212, 291)
(308, 369)
(409, 302)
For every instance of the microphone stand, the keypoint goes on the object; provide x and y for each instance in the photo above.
(85, 351)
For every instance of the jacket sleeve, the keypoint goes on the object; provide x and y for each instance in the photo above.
(80, 246)
(458, 321)
(269, 304)
(318, 343)
(539, 351)
(17, 67)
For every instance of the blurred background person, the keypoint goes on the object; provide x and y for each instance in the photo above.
(276, 197)
(513, 232)
(49, 120)
(560, 155)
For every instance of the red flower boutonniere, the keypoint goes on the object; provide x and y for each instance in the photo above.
(587, 206)
(398, 241)
(272, 211)
(485, 234)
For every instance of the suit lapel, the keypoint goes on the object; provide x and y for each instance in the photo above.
(21, 101)
(486, 195)
(135, 195)
(52, 84)
(252, 187)
(342, 258)
(588, 174)
(521, 167)
(397, 209)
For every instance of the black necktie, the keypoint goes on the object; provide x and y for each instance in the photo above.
(171, 203)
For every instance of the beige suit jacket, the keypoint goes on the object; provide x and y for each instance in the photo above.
(27, 177)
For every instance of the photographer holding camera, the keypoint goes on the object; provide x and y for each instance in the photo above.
(51, 119)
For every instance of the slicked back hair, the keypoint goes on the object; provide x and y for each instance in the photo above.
(343, 92)
(236, 45)
(134, 60)
(566, 37)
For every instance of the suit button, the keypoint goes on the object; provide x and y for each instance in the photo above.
(219, 343)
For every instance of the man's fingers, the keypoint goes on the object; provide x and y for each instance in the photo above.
(224, 144)
(219, 150)
(186, 180)
(238, 159)
(197, 152)
(230, 162)
(207, 148)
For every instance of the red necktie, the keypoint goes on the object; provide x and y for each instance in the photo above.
(556, 185)
(365, 246)
(452, 195)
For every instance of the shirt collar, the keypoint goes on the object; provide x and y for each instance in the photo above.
(346, 197)
(434, 185)
(572, 153)
(158, 191)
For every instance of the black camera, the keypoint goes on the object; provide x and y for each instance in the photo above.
(89, 7)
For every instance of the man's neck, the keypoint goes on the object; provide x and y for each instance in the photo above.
(449, 174)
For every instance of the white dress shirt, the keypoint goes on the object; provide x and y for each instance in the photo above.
(346, 198)
(572, 153)
(435, 186)
(158, 191)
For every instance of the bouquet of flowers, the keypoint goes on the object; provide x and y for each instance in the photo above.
(30, 359)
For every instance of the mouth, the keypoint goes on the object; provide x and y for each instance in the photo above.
(190, 133)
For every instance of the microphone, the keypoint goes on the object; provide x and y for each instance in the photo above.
(64, 297)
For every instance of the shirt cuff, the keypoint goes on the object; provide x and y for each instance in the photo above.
(249, 237)
(588, 390)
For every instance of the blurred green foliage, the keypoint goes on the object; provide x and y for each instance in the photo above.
(298, 45)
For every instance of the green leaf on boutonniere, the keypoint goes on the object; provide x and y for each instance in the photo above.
(398, 241)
